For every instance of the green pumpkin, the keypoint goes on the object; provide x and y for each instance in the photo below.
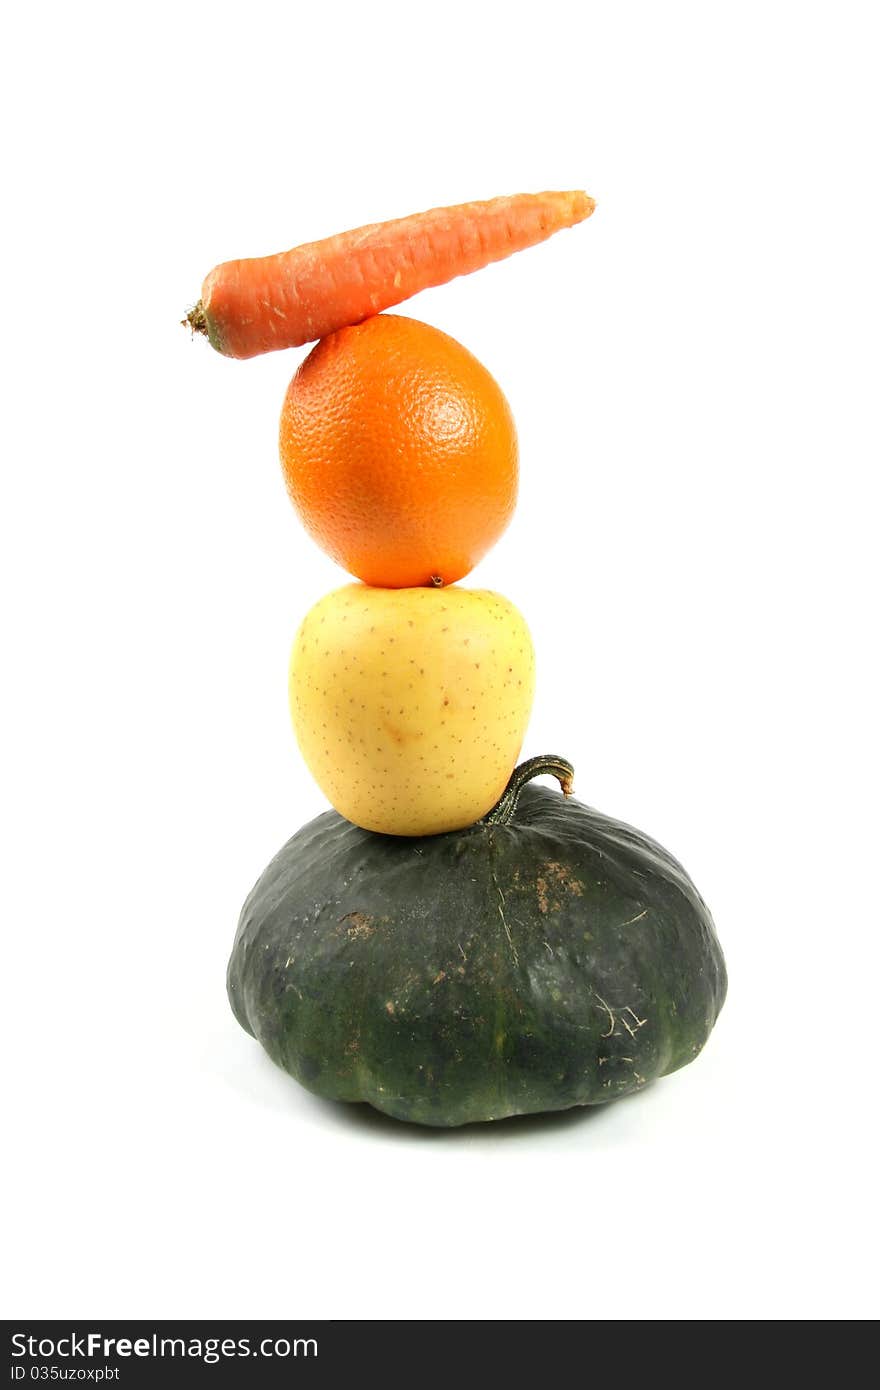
(544, 958)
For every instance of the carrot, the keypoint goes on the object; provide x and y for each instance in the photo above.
(258, 305)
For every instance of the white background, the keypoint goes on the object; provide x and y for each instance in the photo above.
(694, 377)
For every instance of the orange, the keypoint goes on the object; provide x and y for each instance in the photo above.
(399, 453)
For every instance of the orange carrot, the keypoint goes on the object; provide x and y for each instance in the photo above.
(253, 306)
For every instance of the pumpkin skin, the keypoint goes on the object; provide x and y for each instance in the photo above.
(561, 959)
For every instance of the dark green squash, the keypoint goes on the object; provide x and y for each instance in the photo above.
(544, 958)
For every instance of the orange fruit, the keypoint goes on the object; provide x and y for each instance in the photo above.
(399, 453)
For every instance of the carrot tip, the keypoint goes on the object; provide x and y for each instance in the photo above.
(196, 319)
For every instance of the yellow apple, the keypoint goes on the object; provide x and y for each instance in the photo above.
(410, 705)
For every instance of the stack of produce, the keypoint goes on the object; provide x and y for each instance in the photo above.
(452, 942)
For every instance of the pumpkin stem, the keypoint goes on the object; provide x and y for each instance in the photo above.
(502, 811)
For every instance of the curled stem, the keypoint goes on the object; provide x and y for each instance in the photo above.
(502, 811)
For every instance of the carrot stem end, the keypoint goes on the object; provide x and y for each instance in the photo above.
(196, 319)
